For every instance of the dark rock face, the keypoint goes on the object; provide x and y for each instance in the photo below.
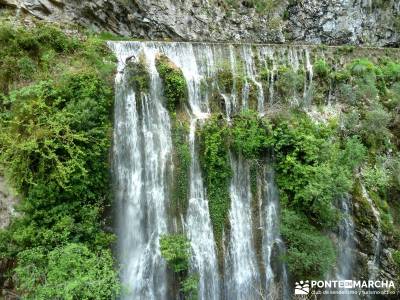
(311, 21)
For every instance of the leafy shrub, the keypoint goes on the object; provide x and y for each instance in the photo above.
(175, 248)
(71, 271)
(312, 169)
(138, 75)
(26, 67)
(225, 79)
(52, 131)
(309, 253)
(374, 127)
(175, 86)
(176, 251)
(250, 134)
(321, 69)
(55, 130)
(289, 83)
(362, 67)
(215, 163)
(376, 178)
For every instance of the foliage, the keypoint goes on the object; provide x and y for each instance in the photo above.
(175, 248)
(374, 127)
(376, 178)
(217, 171)
(190, 287)
(250, 134)
(175, 86)
(54, 139)
(71, 271)
(396, 258)
(312, 169)
(225, 79)
(321, 69)
(310, 254)
(182, 160)
(138, 75)
(50, 127)
(40, 53)
(289, 83)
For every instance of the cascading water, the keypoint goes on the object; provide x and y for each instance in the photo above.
(142, 153)
(276, 282)
(143, 164)
(346, 241)
(199, 229)
(241, 270)
(373, 265)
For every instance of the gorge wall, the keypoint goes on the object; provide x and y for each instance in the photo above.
(363, 22)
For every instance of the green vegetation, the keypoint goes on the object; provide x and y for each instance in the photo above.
(310, 254)
(217, 172)
(261, 6)
(175, 249)
(72, 271)
(138, 75)
(250, 134)
(289, 84)
(175, 86)
(55, 136)
(182, 160)
(313, 168)
(225, 79)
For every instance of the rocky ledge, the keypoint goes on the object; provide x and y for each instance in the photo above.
(334, 22)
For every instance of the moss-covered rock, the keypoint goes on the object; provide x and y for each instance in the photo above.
(175, 86)
(182, 160)
(138, 75)
(217, 171)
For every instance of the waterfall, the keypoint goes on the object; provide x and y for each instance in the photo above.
(272, 245)
(373, 265)
(143, 171)
(241, 270)
(251, 75)
(346, 242)
(142, 153)
(200, 230)
(345, 248)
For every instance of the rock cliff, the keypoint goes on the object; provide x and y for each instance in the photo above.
(333, 22)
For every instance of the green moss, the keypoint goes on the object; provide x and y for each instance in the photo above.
(175, 86)
(264, 75)
(138, 75)
(182, 160)
(289, 83)
(216, 103)
(215, 163)
(225, 79)
(253, 95)
(363, 214)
